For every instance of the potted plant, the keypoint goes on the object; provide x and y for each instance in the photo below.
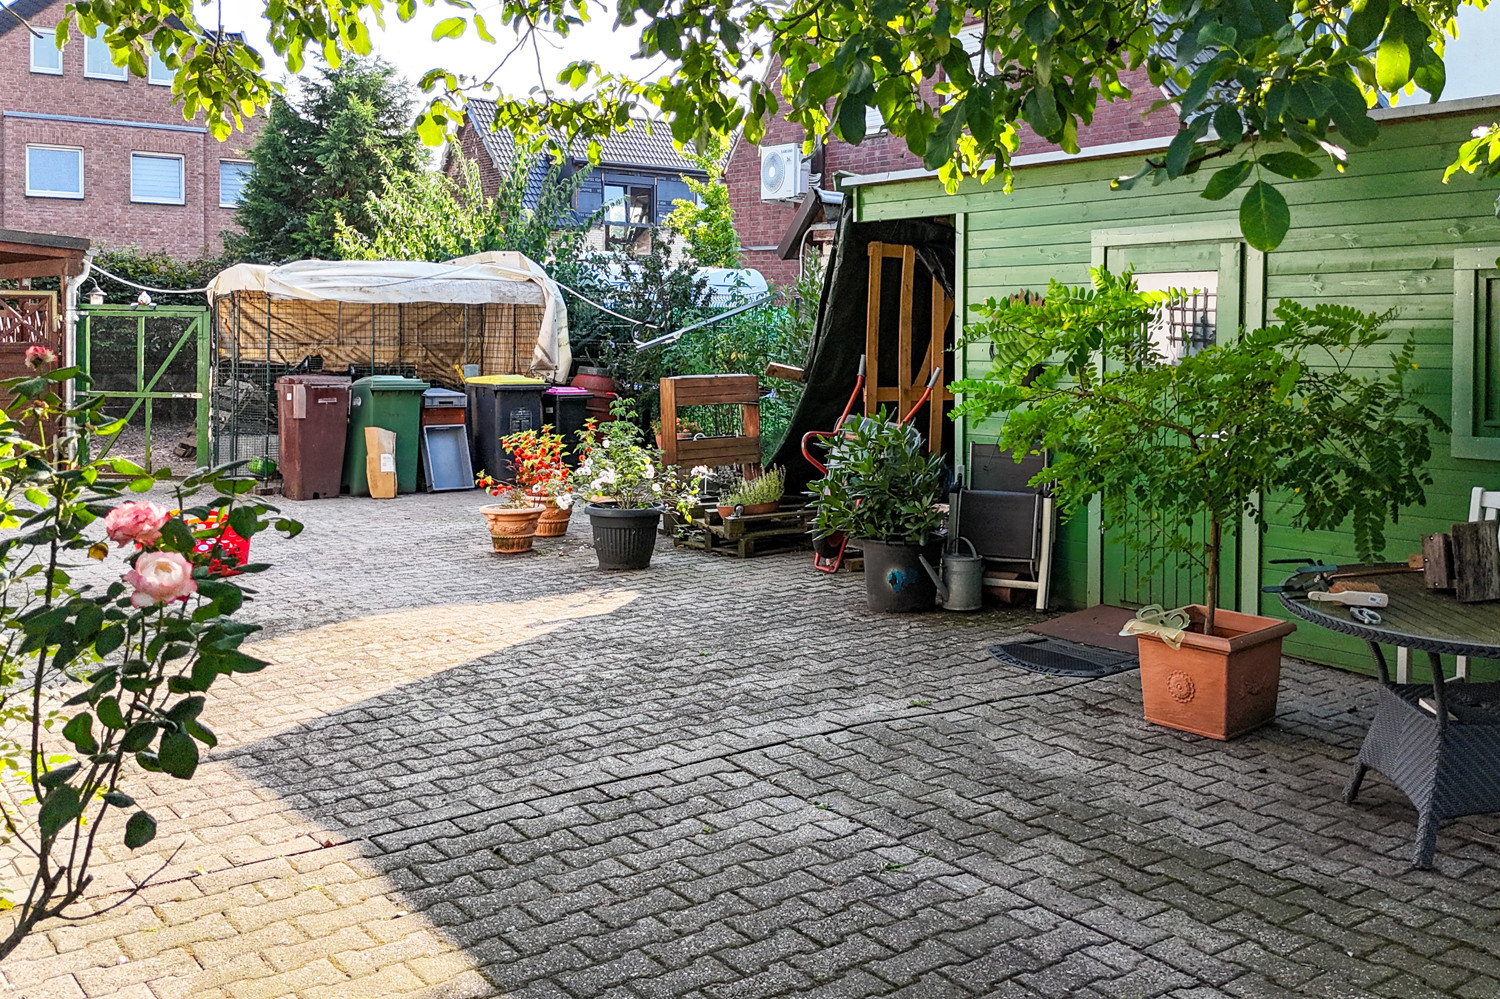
(617, 475)
(542, 473)
(1279, 413)
(882, 489)
(751, 497)
(512, 521)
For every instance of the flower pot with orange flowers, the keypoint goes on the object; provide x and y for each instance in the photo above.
(513, 519)
(541, 473)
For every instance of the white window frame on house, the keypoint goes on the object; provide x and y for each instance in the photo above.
(91, 47)
(158, 73)
(181, 175)
(37, 192)
(222, 165)
(48, 43)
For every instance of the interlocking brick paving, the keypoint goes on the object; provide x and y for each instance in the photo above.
(474, 775)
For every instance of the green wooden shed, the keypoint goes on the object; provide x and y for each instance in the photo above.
(1387, 233)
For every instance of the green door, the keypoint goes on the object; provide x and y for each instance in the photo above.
(151, 367)
(1136, 567)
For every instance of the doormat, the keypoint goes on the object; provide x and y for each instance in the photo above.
(1056, 657)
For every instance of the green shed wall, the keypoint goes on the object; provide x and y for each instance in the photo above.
(1380, 236)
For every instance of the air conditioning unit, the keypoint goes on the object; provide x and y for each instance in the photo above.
(781, 175)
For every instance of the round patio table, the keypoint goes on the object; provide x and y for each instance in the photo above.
(1438, 742)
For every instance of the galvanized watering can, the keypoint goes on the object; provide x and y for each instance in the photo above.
(961, 584)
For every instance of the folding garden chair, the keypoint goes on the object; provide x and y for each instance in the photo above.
(1010, 523)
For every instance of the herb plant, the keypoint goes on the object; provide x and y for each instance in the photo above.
(767, 487)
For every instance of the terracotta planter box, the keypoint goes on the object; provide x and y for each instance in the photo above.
(1221, 685)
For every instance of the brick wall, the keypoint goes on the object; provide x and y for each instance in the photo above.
(762, 224)
(106, 214)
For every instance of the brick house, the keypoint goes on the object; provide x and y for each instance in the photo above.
(762, 225)
(87, 149)
(639, 175)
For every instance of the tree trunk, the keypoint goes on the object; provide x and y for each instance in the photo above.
(1211, 551)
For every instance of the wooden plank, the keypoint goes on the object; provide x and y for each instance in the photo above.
(788, 372)
(719, 451)
(872, 329)
(715, 390)
(907, 393)
(668, 399)
(942, 309)
(1437, 561)
(1476, 561)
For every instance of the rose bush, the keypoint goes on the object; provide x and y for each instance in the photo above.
(98, 680)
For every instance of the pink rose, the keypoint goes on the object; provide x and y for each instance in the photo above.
(159, 577)
(38, 356)
(140, 522)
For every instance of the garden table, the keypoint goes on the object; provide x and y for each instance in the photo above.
(1438, 742)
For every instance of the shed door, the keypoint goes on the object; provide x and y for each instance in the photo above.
(1137, 569)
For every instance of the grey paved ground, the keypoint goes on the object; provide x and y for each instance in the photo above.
(468, 775)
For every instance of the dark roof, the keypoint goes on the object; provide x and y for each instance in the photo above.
(635, 148)
(26, 8)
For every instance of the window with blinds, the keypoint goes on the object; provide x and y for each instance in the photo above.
(54, 172)
(46, 57)
(156, 179)
(233, 175)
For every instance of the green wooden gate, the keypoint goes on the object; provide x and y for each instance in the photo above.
(1132, 567)
(143, 361)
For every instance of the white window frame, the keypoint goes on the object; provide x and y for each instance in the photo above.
(222, 202)
(32, 192)
(182, 172)
(151, 77)
(118, 73)
(50, 40)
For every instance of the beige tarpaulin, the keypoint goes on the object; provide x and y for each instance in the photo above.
(493, 278)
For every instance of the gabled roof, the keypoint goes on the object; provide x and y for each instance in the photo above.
(635, 148)
(25, 8)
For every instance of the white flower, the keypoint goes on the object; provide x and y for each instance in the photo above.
(656, 488)
(701, 471)
(604, 443)
(606, 477)
(650, 472)
(564, 500)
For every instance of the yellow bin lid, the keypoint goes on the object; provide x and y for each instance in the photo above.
(505, 380)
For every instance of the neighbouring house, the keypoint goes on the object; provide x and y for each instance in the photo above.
(637, 179)
(89, 150)
(770, 182)
(1388, 233)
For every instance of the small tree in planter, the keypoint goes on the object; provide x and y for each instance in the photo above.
(1280, 412)
(882, 489)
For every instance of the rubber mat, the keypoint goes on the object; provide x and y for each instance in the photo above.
(1056, 657)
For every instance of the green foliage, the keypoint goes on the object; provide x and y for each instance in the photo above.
(767, 487)
(881, 485)
(95, 676)
(156, 269)
(428, 216)
(706, 227)
(1480, 155)
(1282, 412)
(1258, 75)
(319, 158)
(615, 463)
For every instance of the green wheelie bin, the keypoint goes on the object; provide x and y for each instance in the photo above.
(390, 402)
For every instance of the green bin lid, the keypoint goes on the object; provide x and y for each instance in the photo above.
(505, 380)
(392, 383)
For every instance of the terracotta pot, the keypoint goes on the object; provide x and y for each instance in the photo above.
(752, 510)
(554, 520)
(1221, 685)
(512, 528)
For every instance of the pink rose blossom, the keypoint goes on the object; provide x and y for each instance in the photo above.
(159, 577)
(38, 356)
(140, 522)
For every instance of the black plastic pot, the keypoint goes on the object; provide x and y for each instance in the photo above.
(623, 539)
(895, 582)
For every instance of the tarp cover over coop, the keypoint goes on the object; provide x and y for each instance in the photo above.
(498, 311)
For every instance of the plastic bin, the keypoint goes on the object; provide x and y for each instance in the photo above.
(313, 411)
(443, 407)
(500, 405)
(566, 407)
(394, 403)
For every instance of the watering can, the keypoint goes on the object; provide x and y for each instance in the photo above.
(961, 584)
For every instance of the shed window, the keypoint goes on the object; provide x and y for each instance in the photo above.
(627, 213)
(1476, 353)
(54, 172)
(156, 178)
(1188, 325)
(46, 57)
(99, 62)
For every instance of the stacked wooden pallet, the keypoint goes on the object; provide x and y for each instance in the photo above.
(788, 529)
